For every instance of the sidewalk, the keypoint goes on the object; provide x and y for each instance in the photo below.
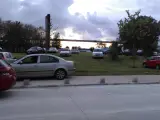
(91, 80)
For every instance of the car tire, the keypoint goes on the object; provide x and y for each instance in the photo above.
(157, 67)
(60, 74)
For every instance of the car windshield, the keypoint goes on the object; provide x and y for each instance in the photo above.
(52, 48)
(97, 50)
(64, 50)
(33, 48)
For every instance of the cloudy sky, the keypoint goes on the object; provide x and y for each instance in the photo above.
(77, 19)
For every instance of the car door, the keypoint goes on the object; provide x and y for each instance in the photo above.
(47, 65)
(27, 67)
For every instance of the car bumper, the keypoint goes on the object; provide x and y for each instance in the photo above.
(97, 56)
(7, 82)
(71, 72)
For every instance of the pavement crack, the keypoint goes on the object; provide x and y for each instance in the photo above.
(74, 102)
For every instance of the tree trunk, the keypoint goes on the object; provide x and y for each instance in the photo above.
(134, 56)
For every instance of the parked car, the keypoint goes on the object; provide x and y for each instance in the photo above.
(152, 62)
(155, 53)
(7, 56)
(75, 51)
(65, 52)
(97, 53)
(43, 65)
(139, 52)
(84, 50)
(7, 76)
(127, 52)
(52, 50)
(35, 49)
(105, 50)
(44, 50)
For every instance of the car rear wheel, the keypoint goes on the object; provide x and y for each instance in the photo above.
(157, 67)
(60, 74)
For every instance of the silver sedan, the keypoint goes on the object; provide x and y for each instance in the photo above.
(43, 65)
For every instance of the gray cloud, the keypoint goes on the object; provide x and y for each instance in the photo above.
(96, 25)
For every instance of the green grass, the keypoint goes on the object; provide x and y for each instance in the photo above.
(85, 65)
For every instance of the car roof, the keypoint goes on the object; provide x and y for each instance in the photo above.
(5, 52)
(46, 55)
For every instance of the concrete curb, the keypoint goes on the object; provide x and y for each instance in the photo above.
(76, 85)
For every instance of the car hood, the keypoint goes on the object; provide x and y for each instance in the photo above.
(97, 53)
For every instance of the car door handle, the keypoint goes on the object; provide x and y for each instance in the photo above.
(35, 65)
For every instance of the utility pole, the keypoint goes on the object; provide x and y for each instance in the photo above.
(47, 29)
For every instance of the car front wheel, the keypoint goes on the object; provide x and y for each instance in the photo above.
(60, 74)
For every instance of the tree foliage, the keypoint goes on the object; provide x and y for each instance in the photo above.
(91, 49)
(101, 45)
(17, 37)
(139, 32)
(67, 47)
(56, 41)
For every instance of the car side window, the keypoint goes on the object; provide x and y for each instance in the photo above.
(30, 60)
(48, 59)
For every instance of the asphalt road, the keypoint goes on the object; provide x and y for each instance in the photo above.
(132, 102)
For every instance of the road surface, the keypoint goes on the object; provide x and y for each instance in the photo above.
(132, 102)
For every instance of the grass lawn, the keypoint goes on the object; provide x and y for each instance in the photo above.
(85, 65)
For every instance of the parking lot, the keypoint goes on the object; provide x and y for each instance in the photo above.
(86, 65)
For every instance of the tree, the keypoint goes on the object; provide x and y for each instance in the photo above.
(17, 37)
(139, 32)
(67, 47)
(101, 45)
(56, 41)
(79, 47)
(114, 51)
(91, 49)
